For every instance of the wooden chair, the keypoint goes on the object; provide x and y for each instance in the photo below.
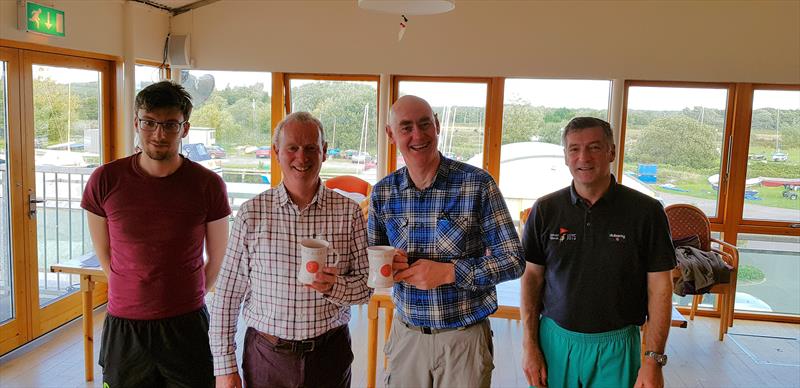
(352, 184)
(687, 221)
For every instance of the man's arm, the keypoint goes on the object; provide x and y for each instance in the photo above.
(503, 259)
(216, 240)
(659, 314)
(233, 285)
(533, 363)
(98, 229)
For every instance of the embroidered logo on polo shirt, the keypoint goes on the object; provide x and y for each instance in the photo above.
(618, 237)
(563, 235)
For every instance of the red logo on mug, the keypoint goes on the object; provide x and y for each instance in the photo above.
(312, 266)
(386, 270)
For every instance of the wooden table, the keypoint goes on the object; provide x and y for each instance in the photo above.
(382, 299)
(89, 276)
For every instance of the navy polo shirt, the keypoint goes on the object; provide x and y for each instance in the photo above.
(597, 258)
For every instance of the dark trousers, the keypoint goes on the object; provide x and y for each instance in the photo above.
(274, 363)
(170, 352)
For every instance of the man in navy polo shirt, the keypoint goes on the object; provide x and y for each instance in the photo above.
(599, 260)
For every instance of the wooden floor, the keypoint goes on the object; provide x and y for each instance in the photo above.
(697, 359)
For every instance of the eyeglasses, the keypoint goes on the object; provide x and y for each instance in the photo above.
(170, 127)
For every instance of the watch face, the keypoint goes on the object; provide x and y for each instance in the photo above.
(661, 359)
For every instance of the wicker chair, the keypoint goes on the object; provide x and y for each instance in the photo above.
(687, 221)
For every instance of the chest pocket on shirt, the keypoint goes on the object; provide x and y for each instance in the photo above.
(397, 231)
(451, 236)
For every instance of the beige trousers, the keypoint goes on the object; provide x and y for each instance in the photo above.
(457, 358)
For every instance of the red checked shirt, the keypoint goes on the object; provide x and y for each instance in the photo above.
(260, 270)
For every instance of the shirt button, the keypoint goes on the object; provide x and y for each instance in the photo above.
(588, 224)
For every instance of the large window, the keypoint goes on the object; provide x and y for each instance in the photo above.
(769, 267)
(231, 128)
(674, 140)
(773, 160)
(534, 115)
(461, 109)
(145, 75)
(347, 109)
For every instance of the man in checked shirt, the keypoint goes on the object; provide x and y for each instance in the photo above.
(296, 335)
(455, 241)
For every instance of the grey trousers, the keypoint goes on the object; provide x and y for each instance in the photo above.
(456, 358)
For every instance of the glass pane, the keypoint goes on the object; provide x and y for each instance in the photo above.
(7, 309)
(231, 127)
(673, 144)
(145, 75)
(348, 113)
(461, 108)
(534, 114)
(67, 121)
(773, 164)
(769, 267)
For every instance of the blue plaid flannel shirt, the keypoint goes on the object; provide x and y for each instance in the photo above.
(461, 218)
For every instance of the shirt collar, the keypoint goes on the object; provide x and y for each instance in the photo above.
(608, 196)
(284, 199)
(439, 181)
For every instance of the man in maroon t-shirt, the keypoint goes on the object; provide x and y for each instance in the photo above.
(149, 216)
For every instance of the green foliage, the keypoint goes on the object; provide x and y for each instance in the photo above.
(679, 141)
(523, 122)
(51, 119)
(751, 274)
(241, 115)
(340, 107)
(771, 169)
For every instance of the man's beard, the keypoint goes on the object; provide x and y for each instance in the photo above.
(159, 155)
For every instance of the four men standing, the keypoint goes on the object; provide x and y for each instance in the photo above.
(599, 257)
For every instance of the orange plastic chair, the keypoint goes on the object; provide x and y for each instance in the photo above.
(352, 184)
(523, 218)
(686, 221)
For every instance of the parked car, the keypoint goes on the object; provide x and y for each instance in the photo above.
(263, 152)
(361, 157)
(334, 152)
(216, 152)
(780, 157)
(347, 154)
(756, 157)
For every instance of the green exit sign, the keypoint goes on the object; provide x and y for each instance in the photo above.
(43, 19)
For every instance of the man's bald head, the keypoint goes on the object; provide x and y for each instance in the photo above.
(404, 103)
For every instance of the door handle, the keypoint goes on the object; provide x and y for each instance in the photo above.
(32, 201)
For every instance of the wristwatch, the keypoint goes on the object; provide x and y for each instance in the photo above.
(661, 359)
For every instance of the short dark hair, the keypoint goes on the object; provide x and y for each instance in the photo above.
(580, 123)
(164, 94)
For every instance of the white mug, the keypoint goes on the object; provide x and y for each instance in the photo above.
(380, 266)
(313, 253)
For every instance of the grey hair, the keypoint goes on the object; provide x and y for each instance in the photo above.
(580, 123)
(300, 117)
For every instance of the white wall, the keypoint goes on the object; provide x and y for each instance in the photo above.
(742, 41)
(95, 26)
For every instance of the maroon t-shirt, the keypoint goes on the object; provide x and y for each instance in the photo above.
(156, 228)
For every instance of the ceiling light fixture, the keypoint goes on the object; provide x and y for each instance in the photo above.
(408, 7)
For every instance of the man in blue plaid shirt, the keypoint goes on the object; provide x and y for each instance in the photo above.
(455, 241)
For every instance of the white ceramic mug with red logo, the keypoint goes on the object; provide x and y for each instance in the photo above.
(313, 253)
(380, 266)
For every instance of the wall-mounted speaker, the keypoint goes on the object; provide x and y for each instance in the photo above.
(178, 52)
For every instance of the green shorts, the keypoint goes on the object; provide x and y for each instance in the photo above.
(609, 359)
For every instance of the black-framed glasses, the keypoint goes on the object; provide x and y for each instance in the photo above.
(171, 127)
